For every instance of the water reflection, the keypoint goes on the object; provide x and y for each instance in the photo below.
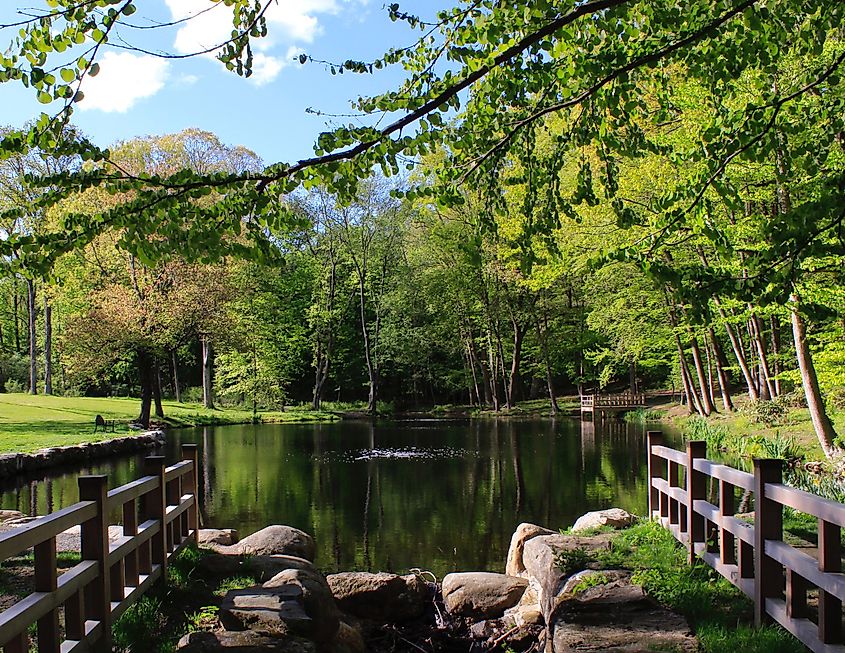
(440, 495)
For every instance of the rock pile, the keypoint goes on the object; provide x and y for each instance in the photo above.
(296, 609)
(551, 591)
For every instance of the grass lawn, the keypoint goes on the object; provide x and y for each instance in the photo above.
(29, 422)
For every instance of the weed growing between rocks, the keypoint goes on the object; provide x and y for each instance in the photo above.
(719, 613)
(186, 603)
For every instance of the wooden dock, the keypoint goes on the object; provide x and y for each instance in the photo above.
(616, 403)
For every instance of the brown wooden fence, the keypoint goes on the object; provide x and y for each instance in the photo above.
(159, 517)
(754, 556)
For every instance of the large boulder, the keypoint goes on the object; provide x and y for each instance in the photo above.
(6, 515)
(612, 518)
(216, 536)
(542, 555)
(380, 597)
(523, 533)
(481, 594)
(616, 616)
(273, 540)
(316, 600)
(247, 641)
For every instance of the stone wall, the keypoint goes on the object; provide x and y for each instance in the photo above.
(77, 454)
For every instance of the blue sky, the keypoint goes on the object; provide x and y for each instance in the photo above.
(137, 95)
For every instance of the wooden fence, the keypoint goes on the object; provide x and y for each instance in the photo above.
(159, 517)
(754, 556)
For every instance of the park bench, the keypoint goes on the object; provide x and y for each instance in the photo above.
(104, 424)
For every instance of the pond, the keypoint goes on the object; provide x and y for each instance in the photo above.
(441, 495)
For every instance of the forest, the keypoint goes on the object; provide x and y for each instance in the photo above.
(666, 214)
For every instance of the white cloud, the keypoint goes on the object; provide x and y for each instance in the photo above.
(265, 68)
(289, 22)
(124, 79)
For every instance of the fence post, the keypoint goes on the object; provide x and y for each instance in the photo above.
(189, 452)
(830, 560)
(768, 525)
(696, 489)
(654, 439)
(156, 508)
(46, 580)
(95, 546)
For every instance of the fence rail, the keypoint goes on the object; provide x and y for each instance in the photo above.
(159, 517)
(695, 499)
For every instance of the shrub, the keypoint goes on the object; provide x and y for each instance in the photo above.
(643, 415)
(771, 412)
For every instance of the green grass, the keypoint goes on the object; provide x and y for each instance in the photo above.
(187, 603)
(719, 613)
(29, 422)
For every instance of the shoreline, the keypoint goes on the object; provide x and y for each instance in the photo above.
(15, 463)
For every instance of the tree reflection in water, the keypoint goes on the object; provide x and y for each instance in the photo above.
(391, 496)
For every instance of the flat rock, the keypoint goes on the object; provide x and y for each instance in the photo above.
(524, 532)
(217, 536)
(481, 594)
(380, 597)
(247, 641)
(273, 540)
(315, 598)
(278, 611)
(6, 515)
(617, 616)
(612, 517)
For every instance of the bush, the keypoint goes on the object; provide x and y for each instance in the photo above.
(13, 385)
(772, 412)
(643, 415)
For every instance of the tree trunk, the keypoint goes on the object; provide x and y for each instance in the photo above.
(516, 360)
(157, 389)
(776, 353)
(372, 397)
(492, 373)
(16, 314)
(757, 337)
(145, 378)
(706, 405)
(207, 364)
(686, 377)
(177, 391)
(33, 352)
(689, 391)
(48, 347)
(738, 350)
(721, 373)
(473, 365)
(544, 345)
(812, 392)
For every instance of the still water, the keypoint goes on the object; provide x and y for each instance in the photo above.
(440, 495)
